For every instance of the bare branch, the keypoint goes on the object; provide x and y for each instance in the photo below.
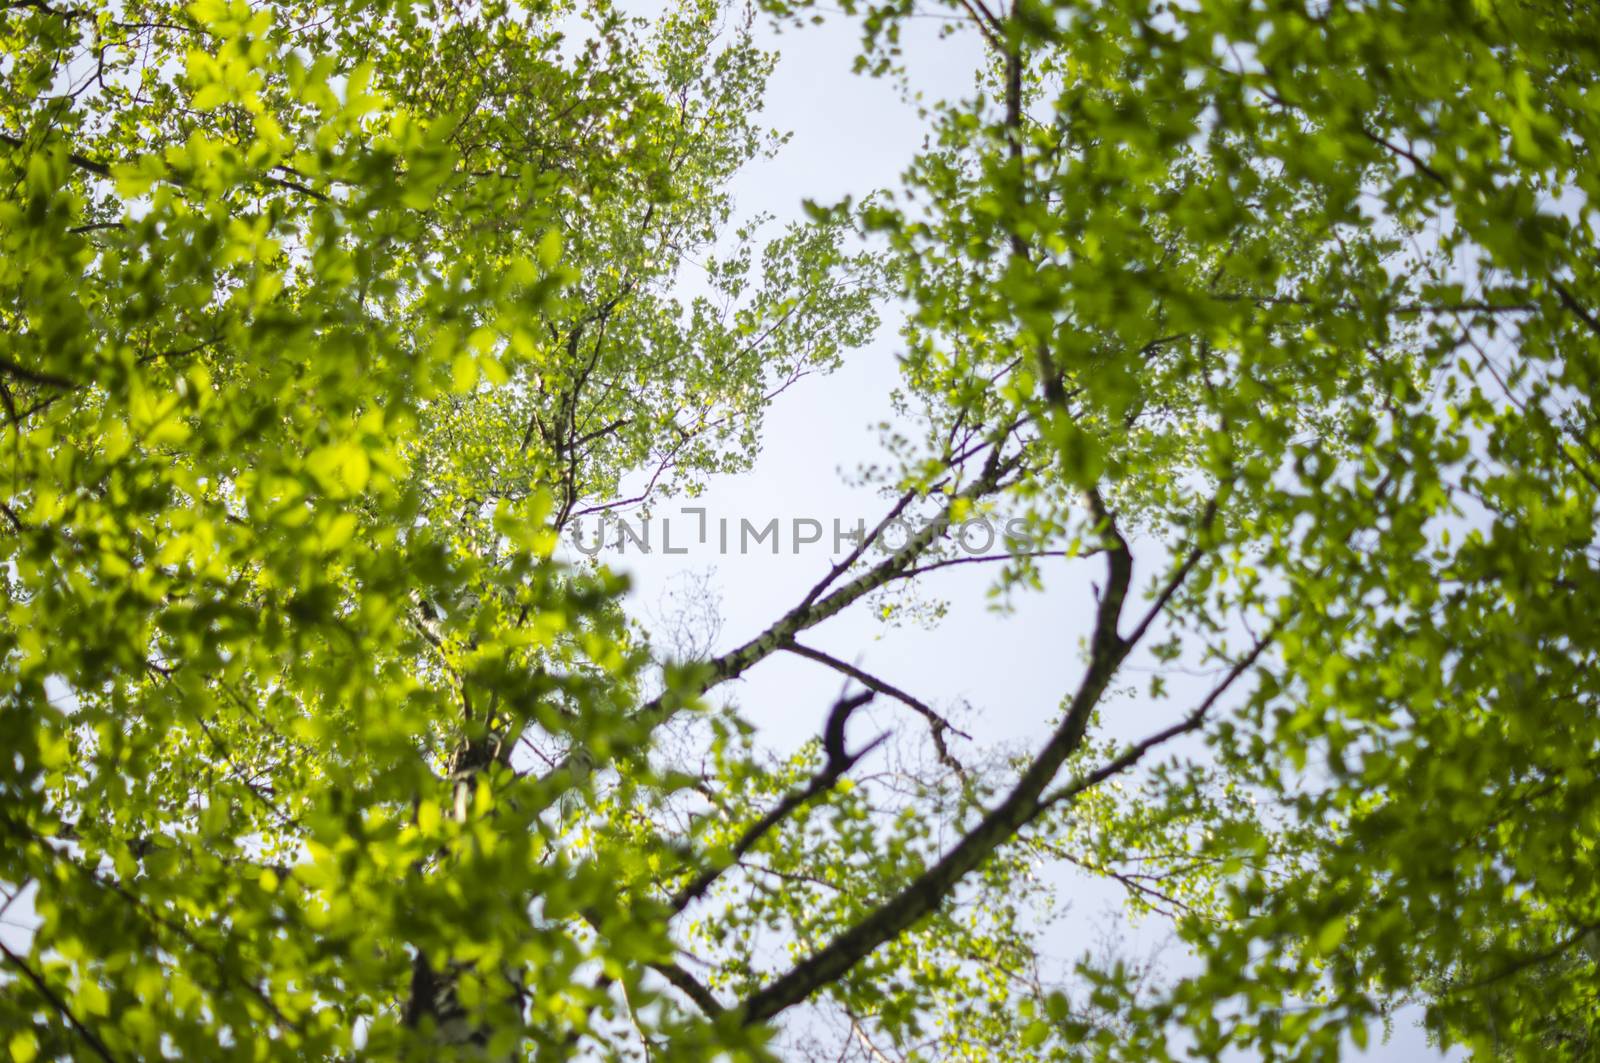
(838, 762)
(937, 724)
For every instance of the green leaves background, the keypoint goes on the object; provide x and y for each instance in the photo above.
(322, 322)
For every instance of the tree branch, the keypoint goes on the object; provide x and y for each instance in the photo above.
(928, 891)
(88, 1035)
(1133, 754)
(838, 762)
(689, 986)
(937, 724)
(812, 612)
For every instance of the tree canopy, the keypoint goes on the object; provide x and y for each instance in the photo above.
(324, 320)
